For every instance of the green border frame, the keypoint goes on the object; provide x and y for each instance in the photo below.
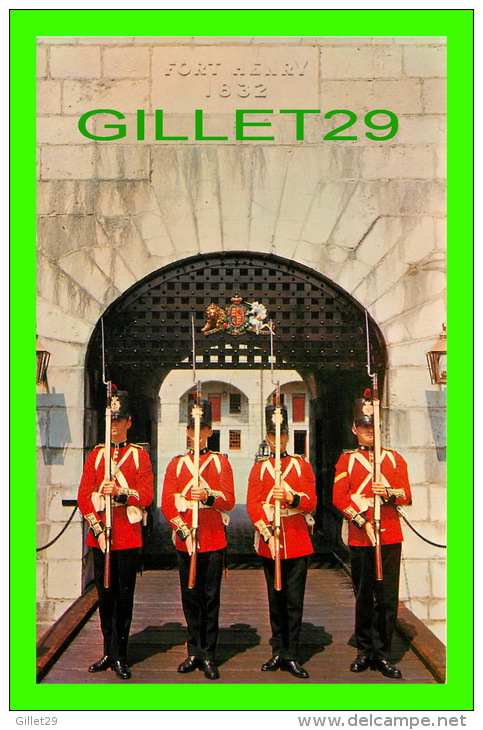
(457, 26)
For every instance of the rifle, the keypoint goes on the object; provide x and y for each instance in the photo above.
(196, 413)
(107, 467)
(376, 477)
(277, 419)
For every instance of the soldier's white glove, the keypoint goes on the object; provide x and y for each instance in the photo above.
(189, 544)
(101, 539)
(370, 533)
(279, 493)
(109, 487)
(199, 494)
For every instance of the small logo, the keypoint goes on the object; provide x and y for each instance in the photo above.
(115, 404)
(368, 409)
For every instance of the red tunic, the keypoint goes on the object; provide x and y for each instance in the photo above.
(298, 477)
(217, 476)
(353, 494)
(131, 466)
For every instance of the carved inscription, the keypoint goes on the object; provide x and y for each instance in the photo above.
(183, 76)
(232, 88)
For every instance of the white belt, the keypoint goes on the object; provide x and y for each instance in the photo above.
(269, 510)
(134, 513)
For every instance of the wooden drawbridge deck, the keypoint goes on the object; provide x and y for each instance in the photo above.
(158, 635)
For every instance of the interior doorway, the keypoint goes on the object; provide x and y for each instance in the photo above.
(238, 421)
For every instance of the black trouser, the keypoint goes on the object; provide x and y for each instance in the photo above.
(286, 606)
(376, 601)
(201, 604)
(116, 602)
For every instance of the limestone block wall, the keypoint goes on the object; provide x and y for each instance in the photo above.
(368, 214)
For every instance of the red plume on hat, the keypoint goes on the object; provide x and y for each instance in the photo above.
(367, 394)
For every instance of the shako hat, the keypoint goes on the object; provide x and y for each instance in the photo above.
(364, 410)
(270, 425)
(205, 420)
(120, 407)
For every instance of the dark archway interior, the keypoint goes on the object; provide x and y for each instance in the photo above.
(320, 331)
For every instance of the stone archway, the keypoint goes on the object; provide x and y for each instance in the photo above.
(319, 331)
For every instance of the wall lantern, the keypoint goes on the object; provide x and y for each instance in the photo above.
(437, 359)
(43, 358)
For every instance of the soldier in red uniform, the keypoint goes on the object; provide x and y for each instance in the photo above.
(215, 496)
(131, 490)
(376, 600)
(298, 500)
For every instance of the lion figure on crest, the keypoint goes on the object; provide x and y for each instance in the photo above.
(214, 318)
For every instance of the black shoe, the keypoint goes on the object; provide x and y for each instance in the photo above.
(292, 666)
(386, 668)
(120, 667)
(101, 665)
(210, 669)
(272, 665)
(189, 665)
(360, 663)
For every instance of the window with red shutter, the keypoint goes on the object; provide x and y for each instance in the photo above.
(215, 400)
(298, 408)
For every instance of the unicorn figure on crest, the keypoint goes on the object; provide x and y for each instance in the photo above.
(256, 315)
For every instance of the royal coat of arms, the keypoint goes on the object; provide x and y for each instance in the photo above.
(240, 317)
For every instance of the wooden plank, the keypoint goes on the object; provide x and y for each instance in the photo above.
(158, 636)
(424, 643)
(52, 643)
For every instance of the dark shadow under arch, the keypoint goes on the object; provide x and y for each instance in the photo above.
(319, 331)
